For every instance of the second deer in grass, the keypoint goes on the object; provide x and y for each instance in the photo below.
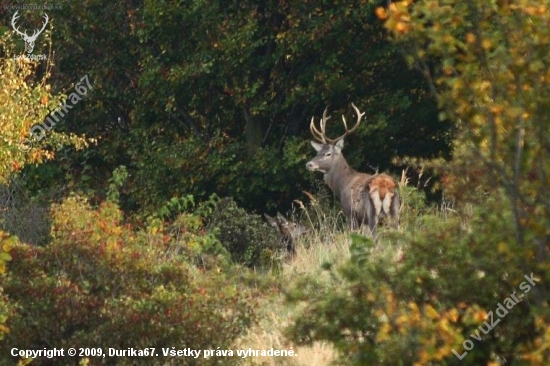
(289, 230)
(364, 198)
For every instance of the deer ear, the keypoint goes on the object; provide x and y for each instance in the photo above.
(339, 145)
(282, 220)
(317, 146)
(271, 221)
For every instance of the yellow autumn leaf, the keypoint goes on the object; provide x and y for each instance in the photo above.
(413, 307)
(383, 333)
(479, 315)
(470, 38)
(453, 315)
(431, 312)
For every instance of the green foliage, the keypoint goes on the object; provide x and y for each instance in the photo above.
(181, 219)
(101, 284)
(120, 175)
(219, 166)
(249, 239)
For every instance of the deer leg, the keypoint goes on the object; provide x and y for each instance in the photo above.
(394, 210)
(376, 202)
(372, 217)
(386, 204)
(290, 248)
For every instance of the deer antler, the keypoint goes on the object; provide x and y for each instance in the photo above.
(321, 136)
(37, 32)
(15, 28)
(25, 35)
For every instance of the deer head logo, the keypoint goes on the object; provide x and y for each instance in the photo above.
(29, 40)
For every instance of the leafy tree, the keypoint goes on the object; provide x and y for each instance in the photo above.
(202, 93)
(25, 102)
(490, 80)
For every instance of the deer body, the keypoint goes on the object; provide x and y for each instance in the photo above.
(364, 198)
(347, 185)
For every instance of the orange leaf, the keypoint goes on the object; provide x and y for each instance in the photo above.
(381, 13)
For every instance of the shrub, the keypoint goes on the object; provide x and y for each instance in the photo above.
(249, 239)
(100, 284)
(22, 216)
(184, 221)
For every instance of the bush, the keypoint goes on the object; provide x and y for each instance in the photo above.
(184, 221)
(249, 239)
(100, 284)
(22, 216)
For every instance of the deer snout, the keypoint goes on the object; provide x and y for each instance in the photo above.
(311, 166)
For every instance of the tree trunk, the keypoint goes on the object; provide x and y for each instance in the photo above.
(254, 132)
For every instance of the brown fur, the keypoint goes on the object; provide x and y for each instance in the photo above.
(382, 183)
(289, 230)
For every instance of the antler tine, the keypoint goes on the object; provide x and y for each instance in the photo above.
(16, 28)
(323, 124)
(348, 131)
(315, 132)
(324, 121)
(359, 117)
(320, 135)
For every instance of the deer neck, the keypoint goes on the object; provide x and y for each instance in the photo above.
(337, 177)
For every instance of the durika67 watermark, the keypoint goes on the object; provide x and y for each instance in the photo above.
(39, 131)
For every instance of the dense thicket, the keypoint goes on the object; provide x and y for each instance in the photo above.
(196, 97)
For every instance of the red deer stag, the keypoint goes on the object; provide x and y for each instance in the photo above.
(289, 230)
(364, 198)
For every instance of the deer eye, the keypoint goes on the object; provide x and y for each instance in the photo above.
(328, 154)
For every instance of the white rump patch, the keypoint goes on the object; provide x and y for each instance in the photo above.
(375, 196)
(387, 203)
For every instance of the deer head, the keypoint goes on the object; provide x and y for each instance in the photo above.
(29, 40)
(289, 230)
(329, 151)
